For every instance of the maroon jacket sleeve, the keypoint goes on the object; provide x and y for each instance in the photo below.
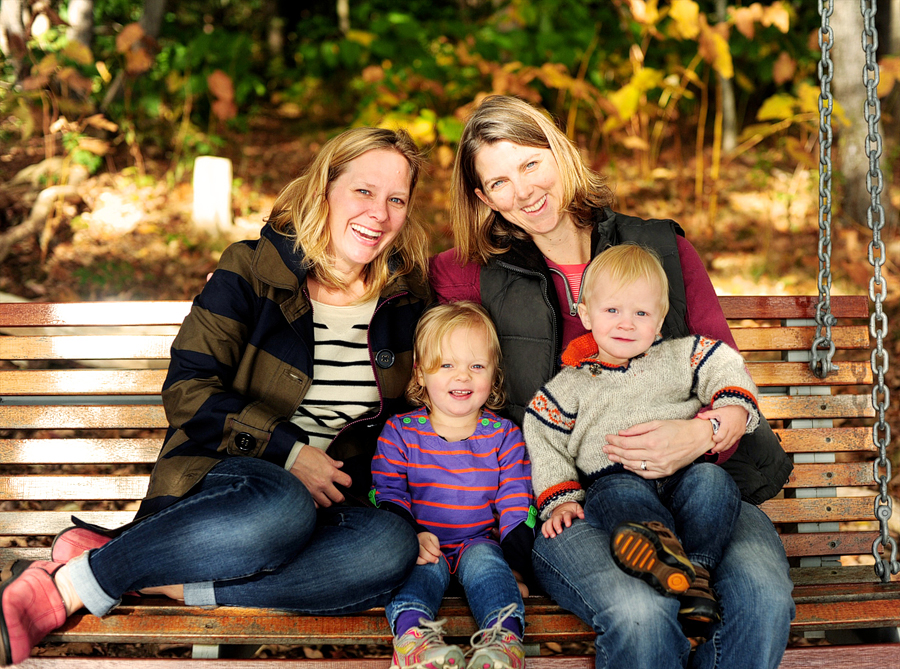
(453, 282)
(704, 315)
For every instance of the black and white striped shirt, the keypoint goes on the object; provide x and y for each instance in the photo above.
(343, 386)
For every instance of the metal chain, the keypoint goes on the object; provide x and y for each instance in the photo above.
(881, 396)
(822, 350)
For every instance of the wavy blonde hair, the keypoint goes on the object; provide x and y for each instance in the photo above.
(624, 264)
(478, 231)
(300, 212)
(437, 323)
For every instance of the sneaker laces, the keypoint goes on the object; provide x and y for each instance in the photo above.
(491, 635)
(432, 630)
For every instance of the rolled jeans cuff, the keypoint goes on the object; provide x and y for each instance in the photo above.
(200, 594)
(92, 595)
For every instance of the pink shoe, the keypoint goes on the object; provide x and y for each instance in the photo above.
(30, 608)
(73, 541)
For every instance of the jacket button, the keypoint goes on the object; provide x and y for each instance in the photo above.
(244, 442)
(384, 358)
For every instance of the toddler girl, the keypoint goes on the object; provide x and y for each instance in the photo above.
(458, 473)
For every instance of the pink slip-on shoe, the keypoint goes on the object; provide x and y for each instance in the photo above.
(30, 608)
(73, 541)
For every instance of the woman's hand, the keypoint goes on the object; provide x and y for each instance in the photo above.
(562, 517)
(318, 472)
(732, 425)
(429, 548)
(663, 446)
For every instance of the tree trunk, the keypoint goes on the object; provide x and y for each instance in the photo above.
(151, 20)
(81, 21)
(729, 115)
(12, 34)
(850, 92)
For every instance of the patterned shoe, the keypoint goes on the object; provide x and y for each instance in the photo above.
(699, 603)
(652, 553)
(30, 608)
(423, 647)
(73, 541)
(498, 647)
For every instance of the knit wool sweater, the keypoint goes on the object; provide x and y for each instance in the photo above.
(568, 419)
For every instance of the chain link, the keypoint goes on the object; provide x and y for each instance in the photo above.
(881, 396)
(822, 350)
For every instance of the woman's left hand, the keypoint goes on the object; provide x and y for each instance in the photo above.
(661, 447)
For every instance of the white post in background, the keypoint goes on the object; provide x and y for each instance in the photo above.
(212, 194)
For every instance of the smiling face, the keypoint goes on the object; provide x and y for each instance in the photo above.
(624, 320)
(459, 387)
(367, 207)
(522, 184)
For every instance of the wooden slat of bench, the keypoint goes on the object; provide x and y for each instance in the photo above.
(93, 313)
(827, 439)
(767, 374)
(832, 474)
(82, 382)
(86, 347)
(828, 543)
(777, 407)
(832, 577)
(79, 451)
(85, 417)
(818, 509)
(798, 338)
(149, 381)
(876, 656)
(73, 487)
(791, 306)
(142, 621)
(50, 523)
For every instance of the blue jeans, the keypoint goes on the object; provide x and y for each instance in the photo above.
(638, 629)
(699, 503)
(251, 536)
(484, 575)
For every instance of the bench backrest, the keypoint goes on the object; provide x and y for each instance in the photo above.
(81, 421)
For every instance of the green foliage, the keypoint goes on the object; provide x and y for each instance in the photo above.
(104, 277)
(617, 72)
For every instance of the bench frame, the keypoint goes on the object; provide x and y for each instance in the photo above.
(52, 409)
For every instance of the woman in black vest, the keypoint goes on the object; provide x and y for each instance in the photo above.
(527, 217)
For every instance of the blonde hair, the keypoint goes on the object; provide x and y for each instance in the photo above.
(624, 264)
(437, 323)
(301, 210)
(478, 231)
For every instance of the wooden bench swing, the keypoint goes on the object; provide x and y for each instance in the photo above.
(81, 423)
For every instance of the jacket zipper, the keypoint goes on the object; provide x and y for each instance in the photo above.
(528, 272)
(573, 307)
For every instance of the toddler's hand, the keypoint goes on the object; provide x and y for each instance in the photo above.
(732, 426)
(562, 516)
(429, 548)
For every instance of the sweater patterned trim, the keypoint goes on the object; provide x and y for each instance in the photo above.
(567, 491)
(546, 409)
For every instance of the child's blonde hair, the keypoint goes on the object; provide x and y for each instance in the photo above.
(625, 264)
(437, 323)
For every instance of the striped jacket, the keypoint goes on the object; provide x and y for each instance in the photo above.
(453, 489)
(243, 360)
